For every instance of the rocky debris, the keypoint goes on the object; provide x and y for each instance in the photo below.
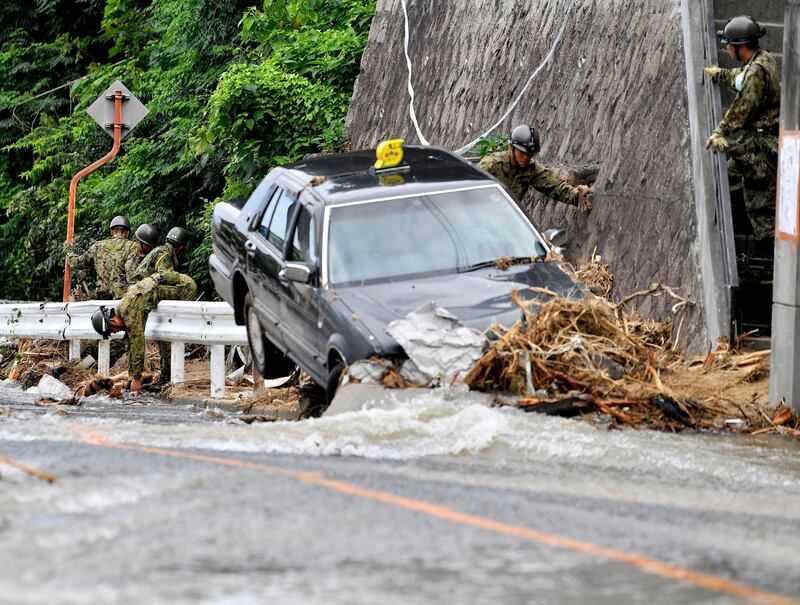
(250, 419)
(50, 388)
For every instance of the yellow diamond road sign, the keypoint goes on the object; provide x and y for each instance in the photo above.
(102, 110)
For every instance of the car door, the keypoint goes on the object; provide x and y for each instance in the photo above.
(301, 302)
(265, 249)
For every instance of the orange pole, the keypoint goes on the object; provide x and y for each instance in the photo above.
(73, 186)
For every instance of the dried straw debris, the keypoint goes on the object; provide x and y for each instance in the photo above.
(575, 356)
(596, 275)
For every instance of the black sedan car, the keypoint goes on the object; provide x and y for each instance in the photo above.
(328, 251)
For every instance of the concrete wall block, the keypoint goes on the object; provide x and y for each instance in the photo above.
(614, 94)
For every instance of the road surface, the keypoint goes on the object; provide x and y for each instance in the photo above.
(437, 502)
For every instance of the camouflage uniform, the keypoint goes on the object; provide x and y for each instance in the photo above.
(519, 180)
(753, 158)
(108, 259)
(135, 307)
(159, 260)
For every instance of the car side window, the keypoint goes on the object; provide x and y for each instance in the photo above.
(284, 209)
(304, 240)
(263, 225)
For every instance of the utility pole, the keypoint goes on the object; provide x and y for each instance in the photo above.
(785, 371)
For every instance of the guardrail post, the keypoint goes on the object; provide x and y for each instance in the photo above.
(74, 349)
(217, 371)
(103, 357)
(178, 360)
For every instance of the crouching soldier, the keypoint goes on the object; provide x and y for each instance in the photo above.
(161, 259)
(518, 171)
(108, 259)
(132, 313)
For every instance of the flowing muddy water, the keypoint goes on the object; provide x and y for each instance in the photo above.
(499, 441)
(499, 463)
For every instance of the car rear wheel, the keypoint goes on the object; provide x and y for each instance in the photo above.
(267, 359)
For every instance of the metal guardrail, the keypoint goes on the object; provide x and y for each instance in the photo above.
(177, 322)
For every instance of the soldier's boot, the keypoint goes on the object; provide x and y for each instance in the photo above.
(165, 377)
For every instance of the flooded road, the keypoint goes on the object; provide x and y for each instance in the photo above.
(438, 501)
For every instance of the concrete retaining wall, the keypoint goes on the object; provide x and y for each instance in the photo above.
(615, 94)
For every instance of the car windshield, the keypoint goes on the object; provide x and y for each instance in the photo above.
(435, 233)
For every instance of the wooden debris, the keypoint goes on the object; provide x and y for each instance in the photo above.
(569, 357)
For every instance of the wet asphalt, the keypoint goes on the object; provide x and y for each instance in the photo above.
(348, 511)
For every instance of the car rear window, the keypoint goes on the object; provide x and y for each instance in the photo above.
(444, 232)
(280, 220)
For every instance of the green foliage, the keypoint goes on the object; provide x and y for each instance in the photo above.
(232, 91)
(490, 144)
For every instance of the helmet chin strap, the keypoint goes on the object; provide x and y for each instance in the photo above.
(736, 48)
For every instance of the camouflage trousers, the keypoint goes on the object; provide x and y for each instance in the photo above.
(753, 170)
(186, 290)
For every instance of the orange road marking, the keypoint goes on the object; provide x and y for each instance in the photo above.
(642, 562)
(28, 469)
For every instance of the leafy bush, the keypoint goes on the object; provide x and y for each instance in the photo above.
(232, 91)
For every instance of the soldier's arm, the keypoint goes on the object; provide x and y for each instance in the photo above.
(167, 278)
(546, 181)
(489, 164)
(134, 268)
(746, 101)
(727, 77)
(81, 261)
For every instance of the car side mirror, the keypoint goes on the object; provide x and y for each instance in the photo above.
(557, 236)
(297, 272)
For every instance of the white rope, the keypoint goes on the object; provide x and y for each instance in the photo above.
(516, 101)
(411, 111)
(468, 146)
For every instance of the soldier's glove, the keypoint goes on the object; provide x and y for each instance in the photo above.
(713, 72)
(158, 278)
(718, 142)
(583, 195)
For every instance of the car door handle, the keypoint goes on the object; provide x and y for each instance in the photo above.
(250, 247)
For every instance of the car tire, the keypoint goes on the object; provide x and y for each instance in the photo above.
(332, 383)
(267, 359)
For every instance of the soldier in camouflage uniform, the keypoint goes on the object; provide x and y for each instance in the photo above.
(106, 259)
(146, 239)
(517, 170)
(162, 259)
(753, 118)
(132, 312)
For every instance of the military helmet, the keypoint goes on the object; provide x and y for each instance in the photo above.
(178, 236)
(741, 30)
(147, 234)
(524, 138)
(101, 321)
(120, 222)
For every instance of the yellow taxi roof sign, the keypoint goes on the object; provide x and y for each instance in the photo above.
(389, 154)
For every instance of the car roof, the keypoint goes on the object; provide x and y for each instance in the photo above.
(351, 177)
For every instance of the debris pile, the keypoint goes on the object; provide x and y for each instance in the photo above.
(570, 357)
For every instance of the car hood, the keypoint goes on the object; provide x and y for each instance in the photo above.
(478, 298)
